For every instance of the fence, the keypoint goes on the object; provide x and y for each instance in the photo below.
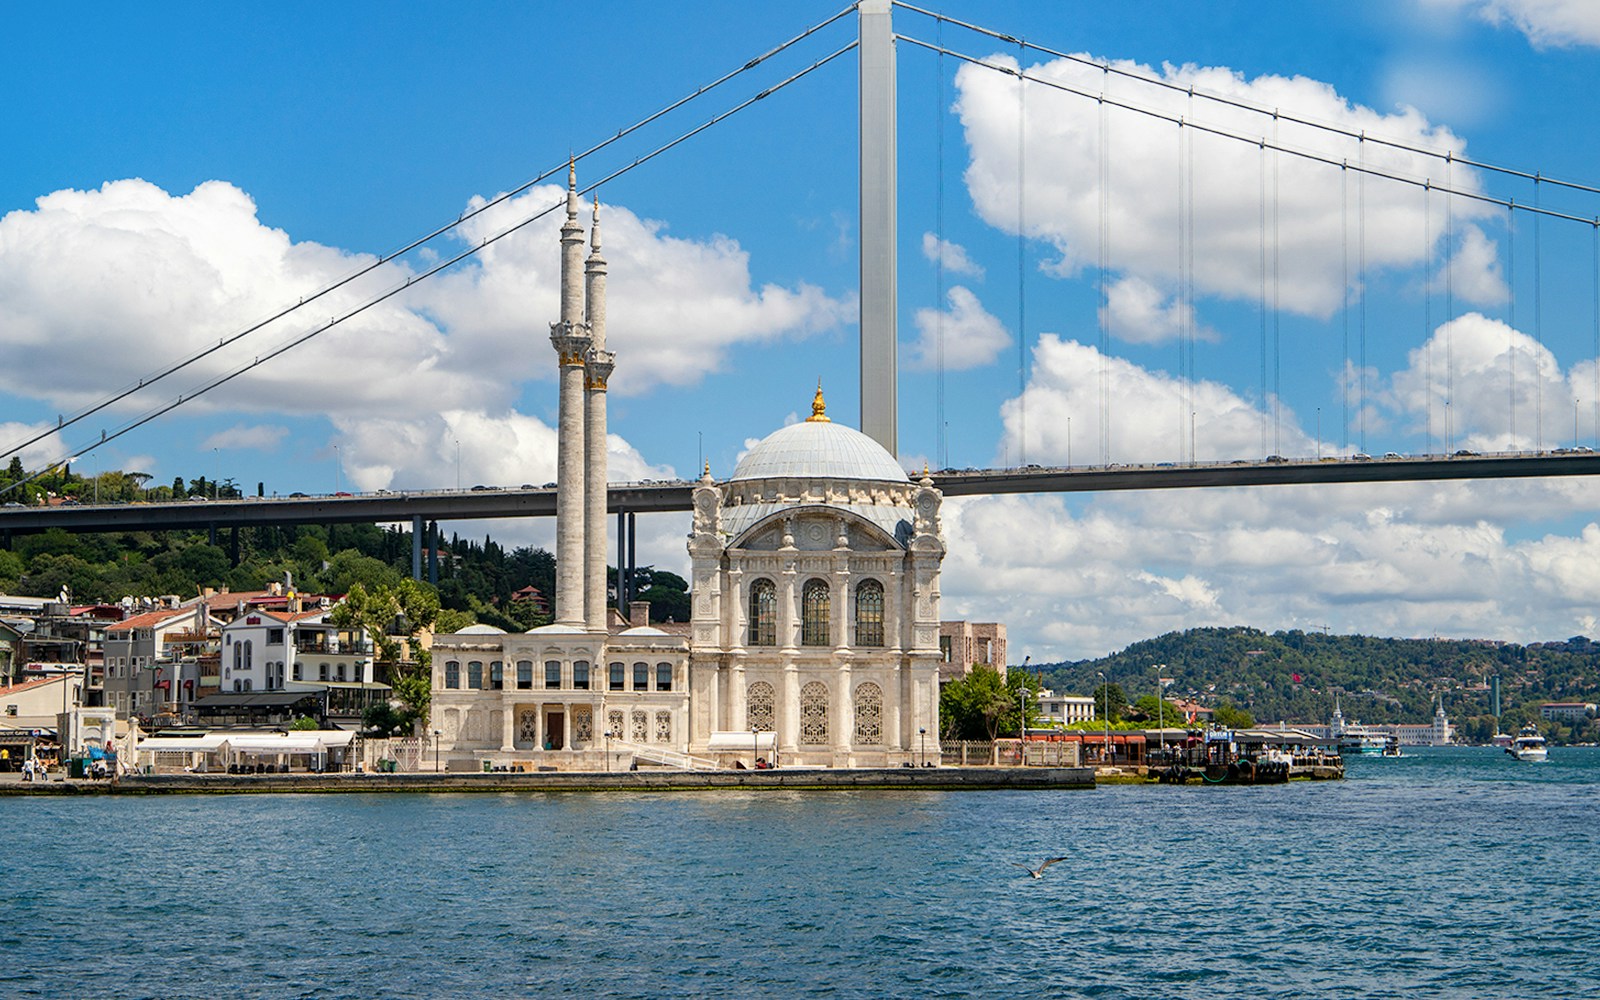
(1009, 753)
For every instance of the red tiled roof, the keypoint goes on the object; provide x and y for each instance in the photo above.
(25, 685)
(149, 618)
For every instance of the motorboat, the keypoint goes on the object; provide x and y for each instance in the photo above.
(1354, 738)
(1391, 747)
(1528, 745)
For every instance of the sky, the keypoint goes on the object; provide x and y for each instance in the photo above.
(1101, 285)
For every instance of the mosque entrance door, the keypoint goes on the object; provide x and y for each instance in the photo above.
(555, 730)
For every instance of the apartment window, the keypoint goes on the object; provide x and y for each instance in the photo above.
(452, 674)
(275, 636)
(497, 675)
(297, 671)
(663, 677)
(580, 675)
(475, 675)
(341, 672)
(524, 675)
(322, 673)
(552, 674)
(763, 613)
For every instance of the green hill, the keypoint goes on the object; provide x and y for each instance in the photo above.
(1295, 676)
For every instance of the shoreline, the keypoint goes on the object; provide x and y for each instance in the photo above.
(783, 779)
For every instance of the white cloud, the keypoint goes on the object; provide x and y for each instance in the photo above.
(1472, 270)
(952, 255)
(1547, 23)
(259, 437)
(1138, 312)
(973, 337)
(1148, 159)
(180, 272)
(1153, 417)
(47, 449)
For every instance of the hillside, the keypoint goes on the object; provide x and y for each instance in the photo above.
(1296, 675)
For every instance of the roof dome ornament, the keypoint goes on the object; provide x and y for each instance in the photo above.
(819, 408)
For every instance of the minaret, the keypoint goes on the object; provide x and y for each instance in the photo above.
(599, 364)
(571, 341)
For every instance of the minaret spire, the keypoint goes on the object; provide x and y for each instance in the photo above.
(598, 363)
(570, 337)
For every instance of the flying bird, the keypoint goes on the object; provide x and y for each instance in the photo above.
(1039, 871)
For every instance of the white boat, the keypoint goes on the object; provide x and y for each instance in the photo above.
(1354, 738)
(1391, 747)
(1528, 745)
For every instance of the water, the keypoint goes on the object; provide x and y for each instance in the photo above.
(1446, 873)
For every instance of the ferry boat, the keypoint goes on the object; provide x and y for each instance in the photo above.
(1528, 745)
(1354, 738)
(1391, 747)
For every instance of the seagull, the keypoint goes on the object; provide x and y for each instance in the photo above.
(1039, 871)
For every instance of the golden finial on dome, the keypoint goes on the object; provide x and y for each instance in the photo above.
(819, 408)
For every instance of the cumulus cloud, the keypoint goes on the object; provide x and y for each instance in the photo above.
(260, 437)
(179, 272)
(1547, 23)
(42, 452)
(952, 255)
(1086, 407)
(1138, 312)
(972, 336)
(1150, 162)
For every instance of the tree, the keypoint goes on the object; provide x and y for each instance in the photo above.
(392, 616)
(304, 723)
(973, 707)
(1023, 688)
(1231, 716)
(1109, 702)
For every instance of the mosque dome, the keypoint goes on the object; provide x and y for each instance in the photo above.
(818, 448)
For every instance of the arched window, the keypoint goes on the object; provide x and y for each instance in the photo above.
(497, 675)
(814, 714)
(814, 613)
(524, 675)
(763, 613)
(475, 675)
(580, 675)
(641, 676)
(663, 677)
(617, 685)
(869, 714)
(759, 706)
(552, 674)
(452, 674)
(869, 613)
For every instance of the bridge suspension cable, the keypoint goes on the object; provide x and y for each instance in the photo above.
(1449, 156)
(442, 265)
(175, 367)
(1264, 143)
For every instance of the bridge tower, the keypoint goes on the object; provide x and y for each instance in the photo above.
(879, 369)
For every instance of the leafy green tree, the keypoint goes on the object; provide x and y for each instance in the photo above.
(451, 620)
(1109, 701)
(972, 707)
(305, 723)
(392, 617)
(1231, 716)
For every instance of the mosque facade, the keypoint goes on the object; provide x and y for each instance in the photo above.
(814, 631)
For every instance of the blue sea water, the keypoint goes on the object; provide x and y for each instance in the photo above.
(1453, 872)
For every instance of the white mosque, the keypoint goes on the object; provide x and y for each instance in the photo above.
(814, 638)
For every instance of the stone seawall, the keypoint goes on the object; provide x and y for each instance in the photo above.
(794, 779)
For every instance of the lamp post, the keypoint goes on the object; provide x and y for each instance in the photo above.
(608, 751)
(1161, 724)
(436, 735)
(1105, 710)
(922, 731)
(1022, 712)
(338, 462)
(458, 463)
(755, 746)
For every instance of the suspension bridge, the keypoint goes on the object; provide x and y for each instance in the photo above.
(1225, 148)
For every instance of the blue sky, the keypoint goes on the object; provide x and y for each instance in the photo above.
(176, 172)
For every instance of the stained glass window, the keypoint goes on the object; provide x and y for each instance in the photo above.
(814, 614)
(869, 613)
(763, 613)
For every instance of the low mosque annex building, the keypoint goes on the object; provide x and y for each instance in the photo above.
(814, 632)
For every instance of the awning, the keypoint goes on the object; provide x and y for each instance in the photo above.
(181, 744)
(737, 742)
(301, 741)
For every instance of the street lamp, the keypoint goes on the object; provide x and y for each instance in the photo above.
(1022, 713)
(436, 735)
(338, 462)
(1105, 710)
(922, 731)
(755, 746)
(458, 463)
(608, 751)
(1161, 725)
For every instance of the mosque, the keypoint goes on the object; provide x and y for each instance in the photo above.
(814, 632)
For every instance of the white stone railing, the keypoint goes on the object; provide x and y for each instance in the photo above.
(661, 755)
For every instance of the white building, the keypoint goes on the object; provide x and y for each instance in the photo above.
(267, 650)
(815, 616)
(1065, 709)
